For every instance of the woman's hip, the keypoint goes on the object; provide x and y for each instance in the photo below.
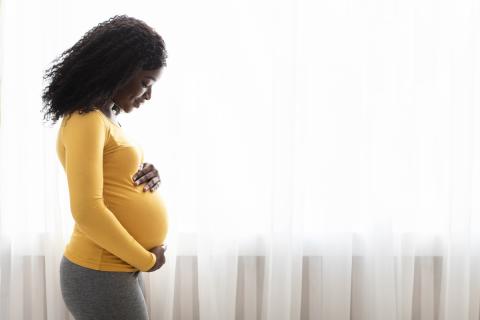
(94, 294)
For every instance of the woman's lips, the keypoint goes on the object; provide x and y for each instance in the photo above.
(137, 104)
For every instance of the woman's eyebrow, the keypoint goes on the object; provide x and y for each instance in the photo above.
(151, 78)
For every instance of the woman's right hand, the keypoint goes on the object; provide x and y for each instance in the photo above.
(160, 253)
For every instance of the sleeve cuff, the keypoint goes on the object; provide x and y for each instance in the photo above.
(152, 262)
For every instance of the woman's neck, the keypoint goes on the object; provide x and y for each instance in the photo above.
(108, 111)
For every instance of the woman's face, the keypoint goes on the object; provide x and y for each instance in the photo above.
(139, 89)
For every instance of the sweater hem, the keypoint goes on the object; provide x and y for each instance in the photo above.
(98, 266)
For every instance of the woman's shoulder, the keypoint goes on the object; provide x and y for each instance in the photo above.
(84, 125)
(84, 118)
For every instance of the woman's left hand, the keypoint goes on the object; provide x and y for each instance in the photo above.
(147, 173)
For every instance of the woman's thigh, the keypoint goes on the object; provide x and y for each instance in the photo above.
(98, 295)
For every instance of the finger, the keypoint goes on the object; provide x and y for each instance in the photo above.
(151, 183)
(143, 169)
(139, 172)
(147, 167)
(151, 174)
(148, 186)
(138, 179)
(140, 168)
(152, 186)
(155, 187)
(148, 176)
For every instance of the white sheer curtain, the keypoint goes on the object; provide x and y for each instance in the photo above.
(319, 159)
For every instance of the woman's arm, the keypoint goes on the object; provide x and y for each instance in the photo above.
(84, 138)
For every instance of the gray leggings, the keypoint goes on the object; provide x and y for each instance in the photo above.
(102, 295)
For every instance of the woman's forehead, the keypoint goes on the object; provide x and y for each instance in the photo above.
(152, 74)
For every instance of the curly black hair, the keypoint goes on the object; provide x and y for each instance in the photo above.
(106, 58)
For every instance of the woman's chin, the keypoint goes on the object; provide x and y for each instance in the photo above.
(135, 106)
(129, 109)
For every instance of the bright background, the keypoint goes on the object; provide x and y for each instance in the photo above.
(337, 142)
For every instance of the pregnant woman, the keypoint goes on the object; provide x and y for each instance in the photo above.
(120, 220)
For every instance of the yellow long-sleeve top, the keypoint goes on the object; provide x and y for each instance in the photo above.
(116, 222)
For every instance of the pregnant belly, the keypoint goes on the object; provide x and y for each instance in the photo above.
(143, 214)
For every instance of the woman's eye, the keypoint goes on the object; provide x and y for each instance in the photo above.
(144, 85)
